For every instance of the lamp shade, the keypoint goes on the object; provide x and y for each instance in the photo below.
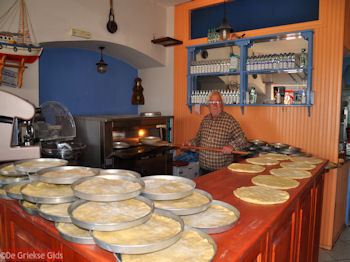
(224, 29)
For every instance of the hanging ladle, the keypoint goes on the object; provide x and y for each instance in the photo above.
(111, 25)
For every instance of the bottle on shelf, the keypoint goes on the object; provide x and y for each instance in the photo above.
(303, 58)
(252, 96)
(303, 96)
(278, 97)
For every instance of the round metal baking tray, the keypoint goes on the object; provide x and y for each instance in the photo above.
(110, 226)
(47, 200)
(149, 140)
(52, 217)
(15, 195)
(257, 142)
(68, 169)
(189, 211)
(10, 173)
(204, 235)
(75, 239)
(54, 161)
(279, 145)
(219, 229)
(120, 145)
(3, 194)
(112, 196)
(10, 179)
(169, 196)
(140, 249)
(120, 172)
(30, 211)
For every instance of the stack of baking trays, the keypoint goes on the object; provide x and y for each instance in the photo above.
(258, 146)
(138, 219)
(16, 174)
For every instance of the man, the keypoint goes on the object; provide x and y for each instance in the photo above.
(217, 130)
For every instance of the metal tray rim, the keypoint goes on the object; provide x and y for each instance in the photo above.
(108, 197)
(140, 249)
(200, 232)
(74, 239)
(47, 200)
(66, 180)
(169, 196)
(219, 229)
(110, 226)
(9, 173)
(193, 210)
(33, 212)
(35, 169)
(13, 195)
(50, 217)
(13, 180)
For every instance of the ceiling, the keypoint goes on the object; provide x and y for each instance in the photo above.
(168, 3)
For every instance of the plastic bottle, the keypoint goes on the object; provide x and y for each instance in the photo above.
(303, 97)
(278, 97)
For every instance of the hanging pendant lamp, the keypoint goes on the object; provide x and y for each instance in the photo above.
(224, 29)
(101, 66)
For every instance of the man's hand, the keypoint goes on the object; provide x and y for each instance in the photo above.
(227, 149)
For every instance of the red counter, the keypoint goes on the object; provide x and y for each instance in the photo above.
(263, 233)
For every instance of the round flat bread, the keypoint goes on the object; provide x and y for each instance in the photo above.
(290, 173)
(308, 160)
(73, 230)
(274, 156)
(298, 165)
(194, 200)
(262, 161)
(277, 182)
(261, 195)
(246, 168)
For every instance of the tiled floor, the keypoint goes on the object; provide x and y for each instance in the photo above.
(340, 251)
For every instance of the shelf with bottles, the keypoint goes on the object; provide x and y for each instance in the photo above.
(289, 64)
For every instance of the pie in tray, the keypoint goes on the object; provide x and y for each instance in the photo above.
(157, 228)
(290, 173)
(215, 216)
(298, 165)
(190, 247)
(104, 186)
(16, 189)
(41, 189)
(8, 168)
(28, 204)
(69, 173)
(55, 209)
(111, 212)
(72, 230)
(262, 161)
(261, 195)
(194, 200)
(277, 182)
(246, 168)
(165, 186)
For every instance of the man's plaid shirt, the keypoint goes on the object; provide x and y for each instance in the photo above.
(217, 133)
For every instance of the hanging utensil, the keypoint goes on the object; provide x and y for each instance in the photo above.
(111, 25)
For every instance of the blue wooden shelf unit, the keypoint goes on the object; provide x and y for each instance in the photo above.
(242, 74)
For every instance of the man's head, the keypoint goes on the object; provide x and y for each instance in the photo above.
(215, 104)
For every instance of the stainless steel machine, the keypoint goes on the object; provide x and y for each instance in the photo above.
(13, 109)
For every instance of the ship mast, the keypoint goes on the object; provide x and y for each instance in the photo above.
(22, 16)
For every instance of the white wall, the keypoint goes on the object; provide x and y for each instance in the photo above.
(158, 83)
(139, 21)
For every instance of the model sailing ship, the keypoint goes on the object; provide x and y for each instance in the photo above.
(17, 49)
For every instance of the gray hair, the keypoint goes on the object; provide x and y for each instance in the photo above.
(215, 92)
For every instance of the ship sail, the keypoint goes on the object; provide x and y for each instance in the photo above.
(17, 48)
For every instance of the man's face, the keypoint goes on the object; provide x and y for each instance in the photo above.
(215, 105)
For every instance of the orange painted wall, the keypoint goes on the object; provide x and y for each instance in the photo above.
(317, 134)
